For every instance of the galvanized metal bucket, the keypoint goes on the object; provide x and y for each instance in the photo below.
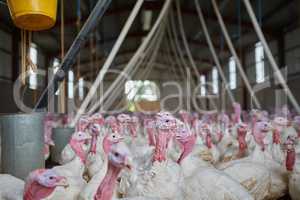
(61, 137)
(22, 137)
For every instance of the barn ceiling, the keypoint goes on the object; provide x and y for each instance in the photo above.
(277, 16)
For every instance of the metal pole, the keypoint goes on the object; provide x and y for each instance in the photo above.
(81, 38)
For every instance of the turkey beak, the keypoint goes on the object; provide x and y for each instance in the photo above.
(52, 143)
(128, 163)
(63, 182)
(120, 138)
(88, 137)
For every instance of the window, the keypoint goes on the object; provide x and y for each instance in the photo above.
(141, 90)
(232, 73)
(70, 84)
(81, 88)
(203, 85)
(33, 54)
(55, 66)
(215, 80)
(259, 63)
(146, 19)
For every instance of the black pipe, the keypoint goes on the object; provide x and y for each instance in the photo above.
(69, 59)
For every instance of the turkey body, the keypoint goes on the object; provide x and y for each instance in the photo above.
(11, 188)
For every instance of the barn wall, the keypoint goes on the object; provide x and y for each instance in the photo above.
(266, 96)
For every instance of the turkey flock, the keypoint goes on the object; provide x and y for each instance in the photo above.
(237, 156)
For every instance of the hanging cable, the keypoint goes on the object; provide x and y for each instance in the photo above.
(148, 69)
(23, 56)
(186, 45)
(271, 58)
(119, 88)
(142, 61)
(136, 55)
(234, 54)
(156, 42)
(62, 88)
(213, 51)
(177, 51)
(78, 27)
(109, 61)
(185, 42)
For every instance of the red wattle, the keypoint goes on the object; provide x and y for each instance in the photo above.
(242, 144)
(77, 148)
(36, 192)
(290, 160)
(133, 130)
(208, 141)
(276, 137)
(94, 144)
(220, 136)
(151, 139)
(160, 147)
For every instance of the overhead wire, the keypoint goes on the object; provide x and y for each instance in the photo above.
(213, 51)
(270, 56)
(142, 76)
(146, 71)
(109, 61)
(136, 55)
(147, 55)
(234, 54)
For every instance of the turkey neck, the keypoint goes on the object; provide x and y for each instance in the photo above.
(133, 130)
(37, 192)
(208, 141)
(290, 159)
(188, 146)
(276, 136)
(78, 149)
(242, 142)
(150, 132)
(115, 127)
(161, 146)
(93, 148)
(107, 186)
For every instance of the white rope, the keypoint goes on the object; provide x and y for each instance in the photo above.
(178, 56)
(120, 85)
(185, 43)
(173, 34)
(213, 51)
(171, 61)
(148, 68)
(234, 54)
(175, 42)
(270, 56)
(144, 76)
(109, 61)
(136, 55)
(188, 50)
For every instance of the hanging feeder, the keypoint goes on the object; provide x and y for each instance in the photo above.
(33, 15)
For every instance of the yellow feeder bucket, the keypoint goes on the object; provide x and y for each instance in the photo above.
(33, 15)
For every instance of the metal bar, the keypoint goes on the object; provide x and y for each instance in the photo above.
(81, 38)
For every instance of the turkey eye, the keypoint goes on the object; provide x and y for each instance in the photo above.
(51, 177)
(114, 136)
(116, 154)
(167, 120)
